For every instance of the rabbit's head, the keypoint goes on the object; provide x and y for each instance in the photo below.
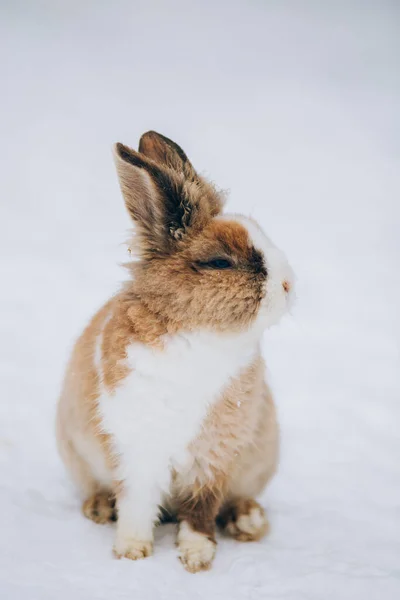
(197, 268)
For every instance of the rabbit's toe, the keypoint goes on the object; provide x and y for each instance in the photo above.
(244, 519)
(100, 508)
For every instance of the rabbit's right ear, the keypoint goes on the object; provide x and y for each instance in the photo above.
(142, 198)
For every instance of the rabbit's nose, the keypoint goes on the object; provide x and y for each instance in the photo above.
(286, 286)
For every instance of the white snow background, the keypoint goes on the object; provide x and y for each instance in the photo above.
(293, 106)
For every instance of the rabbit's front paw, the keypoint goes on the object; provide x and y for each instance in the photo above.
(100, 508)
(132, 549)
(196, 550)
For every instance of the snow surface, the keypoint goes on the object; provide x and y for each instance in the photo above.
(295, 108)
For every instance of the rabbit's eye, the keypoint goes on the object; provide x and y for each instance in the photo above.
(216, 263)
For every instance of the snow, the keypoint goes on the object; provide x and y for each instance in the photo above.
(294, 107)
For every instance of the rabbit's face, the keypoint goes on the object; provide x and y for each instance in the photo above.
(227, 277)
(198, 268)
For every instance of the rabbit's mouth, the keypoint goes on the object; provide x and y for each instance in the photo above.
(277, 301)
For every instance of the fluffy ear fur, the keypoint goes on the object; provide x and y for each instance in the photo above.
(166, 152)
(163, 194)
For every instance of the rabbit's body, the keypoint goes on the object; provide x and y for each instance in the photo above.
(159, 409)
(204, 396)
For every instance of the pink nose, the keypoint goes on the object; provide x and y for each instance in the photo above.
(286, 286)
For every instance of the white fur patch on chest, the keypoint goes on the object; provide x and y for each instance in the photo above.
(158, 409)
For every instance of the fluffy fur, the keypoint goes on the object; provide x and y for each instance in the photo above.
(164, 404)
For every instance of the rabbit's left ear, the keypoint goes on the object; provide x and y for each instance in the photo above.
(170, 157)
(163, 193)
(166, 153)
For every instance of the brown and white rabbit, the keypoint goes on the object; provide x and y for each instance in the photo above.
(164, 408)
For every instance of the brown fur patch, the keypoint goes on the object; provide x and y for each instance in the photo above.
(235, 519)
(231, 239)
(129, 321)
(82, 384)
(117, 334)
(229, 425)
(200, 506)
(100, 508)
(232, 236)
(235, 509)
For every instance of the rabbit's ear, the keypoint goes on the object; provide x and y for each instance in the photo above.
(164, 204)
(169, 155)
(137, 178)
(166, 152)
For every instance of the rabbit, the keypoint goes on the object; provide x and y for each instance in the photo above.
(165, 411)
